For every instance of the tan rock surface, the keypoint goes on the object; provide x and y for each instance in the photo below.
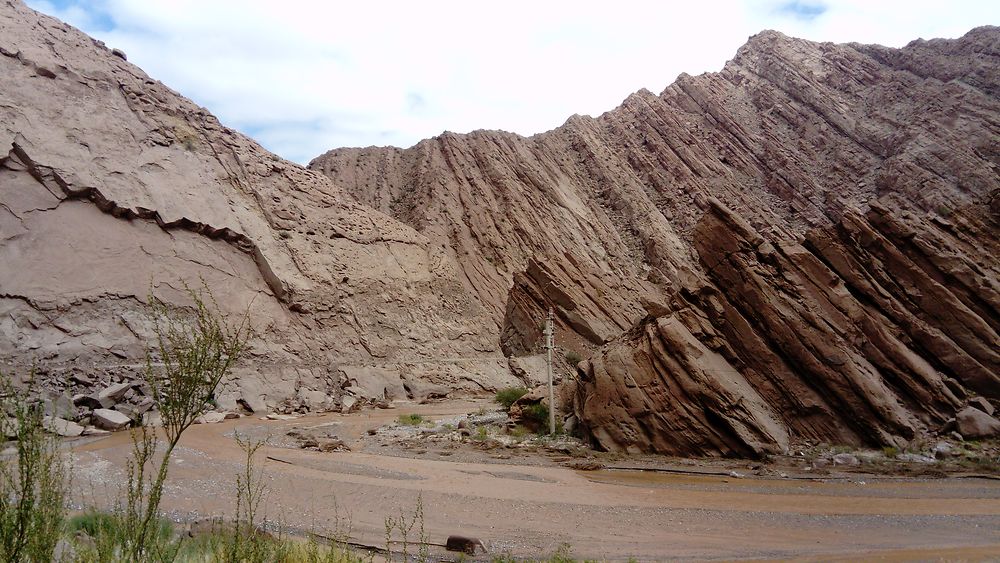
(112, 186)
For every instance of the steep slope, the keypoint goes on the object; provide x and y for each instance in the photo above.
(112, 186)
(802, 245)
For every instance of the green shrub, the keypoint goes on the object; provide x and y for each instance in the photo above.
(196, 350)
(890, 451)
(507, 397)
(33, 484)
(573, 358)
(537, 413)
(411, 419)
(92, 522)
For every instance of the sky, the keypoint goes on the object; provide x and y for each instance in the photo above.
(306, 76)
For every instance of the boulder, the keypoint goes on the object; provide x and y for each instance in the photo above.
(62, 427)
(942, 450)
(110, 420)
(421, 391)
(348, 404)
(93, 402)
(81, 379)
(982, 404)
(974, 423)
(60, 405)
(127, 410)
(465, 544)
(115, 392)
(213, 417)
(143, 405)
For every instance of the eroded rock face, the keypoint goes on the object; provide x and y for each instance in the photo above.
(848, 337)
(788, 135)
(804, 243)
(113, 186)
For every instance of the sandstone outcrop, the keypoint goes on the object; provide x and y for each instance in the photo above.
(846, 337)
(113, 186)
(799, 247)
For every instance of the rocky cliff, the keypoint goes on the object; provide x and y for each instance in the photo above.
(801, 246)
(113, 186)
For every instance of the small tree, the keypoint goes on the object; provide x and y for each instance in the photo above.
(33, 488)
(196, 348)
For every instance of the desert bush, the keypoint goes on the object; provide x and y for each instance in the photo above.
(573, 357)
(510, 395)
(33, 484)
(405, 526)
(196, 350)
(246, 542)
(411, 419)
(537, 413)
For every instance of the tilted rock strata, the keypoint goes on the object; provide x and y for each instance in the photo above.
(847, 338)
(788, 135)
(112, 186)
(804, 243)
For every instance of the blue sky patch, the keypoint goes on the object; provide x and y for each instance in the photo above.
(96, 16)
(803, 9)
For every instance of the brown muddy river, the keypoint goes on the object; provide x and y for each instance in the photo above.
(529, 510)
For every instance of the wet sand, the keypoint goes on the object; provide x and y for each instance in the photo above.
(530, 509)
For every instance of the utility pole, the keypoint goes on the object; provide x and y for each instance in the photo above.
(549, 345)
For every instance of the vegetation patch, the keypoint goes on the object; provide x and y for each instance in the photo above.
(510, 395)
(411, 419)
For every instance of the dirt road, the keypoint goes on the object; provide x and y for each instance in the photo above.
(529, 510)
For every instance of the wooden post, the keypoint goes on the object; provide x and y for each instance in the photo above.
(549, 345)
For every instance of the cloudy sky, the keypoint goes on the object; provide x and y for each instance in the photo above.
(305, 76)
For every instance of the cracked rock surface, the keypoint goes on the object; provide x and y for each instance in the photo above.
(113, 186)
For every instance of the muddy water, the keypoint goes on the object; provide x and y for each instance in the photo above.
(529, 510)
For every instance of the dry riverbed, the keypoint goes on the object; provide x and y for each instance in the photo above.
(527, 496)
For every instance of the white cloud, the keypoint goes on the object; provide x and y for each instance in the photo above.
(306, 76)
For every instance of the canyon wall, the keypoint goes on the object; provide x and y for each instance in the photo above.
(800, 246)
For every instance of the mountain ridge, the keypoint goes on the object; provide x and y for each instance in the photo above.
(801, 246)
(600, 220)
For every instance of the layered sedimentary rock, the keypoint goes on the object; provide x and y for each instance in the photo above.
(113, 186)
(848, 336)
(801, 246)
